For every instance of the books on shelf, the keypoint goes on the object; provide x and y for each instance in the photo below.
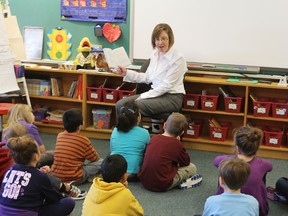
(76, 89)
(116, 57)
(55, 115)
(44, 88)
(80, 87)
(38, 87)
(72, 89)
(56, 87)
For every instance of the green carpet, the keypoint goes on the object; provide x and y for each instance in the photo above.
(181, 202)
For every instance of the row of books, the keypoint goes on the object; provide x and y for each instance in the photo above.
(54, 87)
(75, 90)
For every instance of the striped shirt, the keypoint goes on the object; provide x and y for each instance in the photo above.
(71, 151)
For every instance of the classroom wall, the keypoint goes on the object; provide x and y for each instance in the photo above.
(46, 13)
(250, 33)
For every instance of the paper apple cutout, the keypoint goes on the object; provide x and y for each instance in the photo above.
(111, 32)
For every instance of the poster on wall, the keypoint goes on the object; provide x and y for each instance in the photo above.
(94, 10)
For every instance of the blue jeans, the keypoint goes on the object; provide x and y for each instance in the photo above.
(91, 169)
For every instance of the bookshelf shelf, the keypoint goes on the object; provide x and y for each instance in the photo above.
(196, 83)
(193, 83)
(57, 98)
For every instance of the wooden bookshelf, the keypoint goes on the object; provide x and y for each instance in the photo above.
(193, 83)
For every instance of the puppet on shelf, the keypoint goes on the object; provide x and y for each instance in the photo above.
(85, 59)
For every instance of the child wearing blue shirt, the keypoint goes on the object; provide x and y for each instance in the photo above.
(128, 139)
(233, 174)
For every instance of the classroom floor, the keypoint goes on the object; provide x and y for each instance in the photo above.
(181, 202)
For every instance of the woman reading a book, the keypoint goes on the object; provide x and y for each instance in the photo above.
(165, 72)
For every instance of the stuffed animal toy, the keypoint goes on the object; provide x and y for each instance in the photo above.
(85, 59)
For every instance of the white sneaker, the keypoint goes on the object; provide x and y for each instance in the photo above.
(76, 193)
(191, 182)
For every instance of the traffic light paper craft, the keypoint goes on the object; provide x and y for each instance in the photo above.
(59, 44)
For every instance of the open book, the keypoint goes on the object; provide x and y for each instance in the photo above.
(116, 57)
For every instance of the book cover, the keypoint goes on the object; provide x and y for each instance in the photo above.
(44, 88)
(75, 93)
(72, 89)
(116, 57)
(60, 89)
(80, 87)
(54, 87)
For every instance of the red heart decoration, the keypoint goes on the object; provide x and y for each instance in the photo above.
(111, 32)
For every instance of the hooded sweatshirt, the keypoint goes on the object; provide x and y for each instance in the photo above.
(107, 199)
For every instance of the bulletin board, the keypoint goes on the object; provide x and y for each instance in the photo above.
(94, 10)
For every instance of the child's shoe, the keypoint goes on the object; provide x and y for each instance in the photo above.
(75, 193)
(191, 182)
(271, 194)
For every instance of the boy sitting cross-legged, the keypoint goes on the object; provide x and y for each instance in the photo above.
(72, 149)
(166, 163)
(110, 195)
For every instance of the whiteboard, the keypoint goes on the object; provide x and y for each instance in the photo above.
(238, 32)
(33, 41)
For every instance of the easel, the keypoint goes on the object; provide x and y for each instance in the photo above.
(25, 88)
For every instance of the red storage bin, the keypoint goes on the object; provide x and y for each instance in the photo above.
(194, 129)
(94, 94)
(209, 102)
(110, 95)
(219, 133)
(126, 90)
(280, 109)
(261, 108)
(273, 136)
(233, 104)
(191, 101)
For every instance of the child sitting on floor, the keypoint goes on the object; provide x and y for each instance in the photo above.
(128, 139)
(233, 174)
(247, 141)
(110, 195)
(72, 149)
(166, 163)
(22, 113)
(27, 191)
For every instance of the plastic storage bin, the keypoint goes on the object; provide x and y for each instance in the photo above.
(126, 90)
(191, 101)
(219, 133)
(194, 129)
(280, 109)
(273, 136)
(209, 102)
(233, 104)
(261, 108)
(94, 94)
(101, 118)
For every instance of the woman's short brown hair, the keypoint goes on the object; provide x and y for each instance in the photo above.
(157, 31)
